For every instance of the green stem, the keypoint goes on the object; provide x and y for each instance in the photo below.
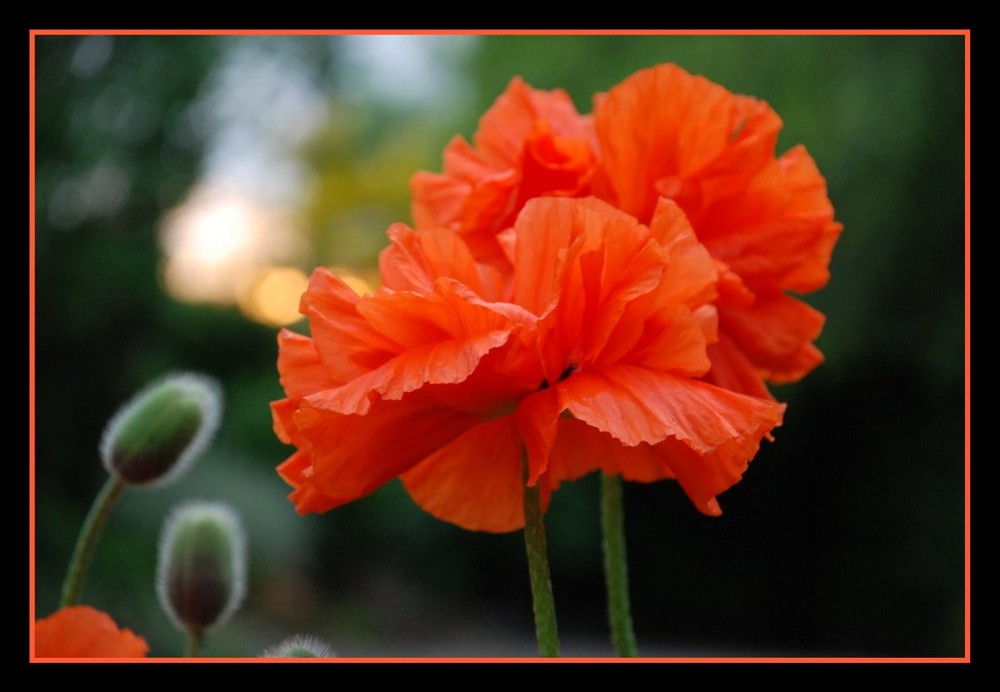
(193, 649)
(90, 532)
(538, 571)
(616, 566)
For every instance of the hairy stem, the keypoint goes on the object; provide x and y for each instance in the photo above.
(90, 532)
(616, 566)
(538, 571)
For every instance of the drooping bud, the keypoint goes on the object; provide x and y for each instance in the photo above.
(156, 436)
(201, 574)
(299, 646)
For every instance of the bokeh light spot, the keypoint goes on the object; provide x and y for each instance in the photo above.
(274, 297)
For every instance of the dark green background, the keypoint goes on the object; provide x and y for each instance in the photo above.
(846, 536)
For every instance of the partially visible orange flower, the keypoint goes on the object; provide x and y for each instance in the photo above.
(448, 375)
(530, 143)
(84, 632)
(767, 221)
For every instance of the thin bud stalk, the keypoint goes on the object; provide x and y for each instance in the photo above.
(90, 532)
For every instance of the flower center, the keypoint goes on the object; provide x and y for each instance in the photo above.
(570, 369)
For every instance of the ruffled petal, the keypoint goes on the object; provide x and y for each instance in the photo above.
(554, 166)
(704, 476)
(282, 418)
(777, 231)
(584, 266)
(476, 481)
(529, 143)
(692, 273)
(544, 230)
(637, 405)
(353, 455)
(438, 339)
(581, 449)
(810, 204)
(345, 343)
(437, 199)
(300, 370)
(674, 341)
(508, 123)
(343, 457)
(664, 132)
(732, 370)
(416, 259)
(776, 334)
(732, 291)
(297, 471)
(538, 422)
(472, 197)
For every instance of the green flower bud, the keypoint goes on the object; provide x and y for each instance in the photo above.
(157, 435)
(299, 646)
(201, 575)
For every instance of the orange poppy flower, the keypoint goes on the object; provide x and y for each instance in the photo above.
(530, 143)
(588, 358)
(83, 632)
(663, 133)
(767, 221)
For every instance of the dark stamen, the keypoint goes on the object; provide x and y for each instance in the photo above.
(570, 369)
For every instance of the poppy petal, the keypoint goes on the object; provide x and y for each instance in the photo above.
(538, 422)
(674, 341)
(581, 449)
(662, 131)
(343, 340)
(581, 264)
(282, 418)
(439, 339)
(297, 471)
(776, 334)
(529, 143)
(732, 370)
(692, 272)
(300, 370)
(638, 405)
(353, 455)
(416, 259)
(554, 166)
(704, 476)
(778, 232)
(476, 481)
(505, 126)
(84, 632)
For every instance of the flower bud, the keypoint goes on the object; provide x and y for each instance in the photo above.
(156, 436)
(299, 646)
(201, 575)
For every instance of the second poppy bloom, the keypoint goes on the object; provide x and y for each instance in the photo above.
(589, 357)
(766, 220)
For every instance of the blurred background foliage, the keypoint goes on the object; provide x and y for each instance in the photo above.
(185, 186)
